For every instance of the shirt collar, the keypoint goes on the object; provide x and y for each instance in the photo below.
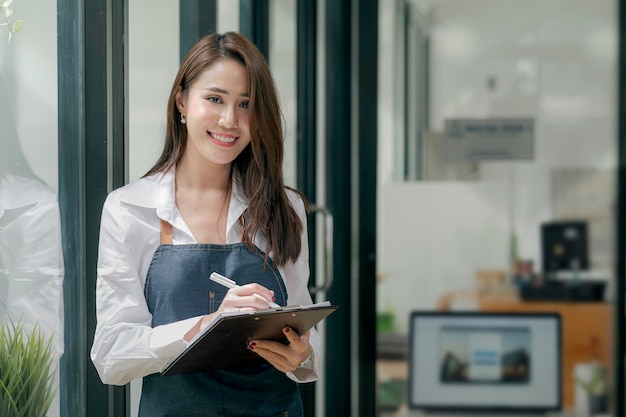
(157, 191)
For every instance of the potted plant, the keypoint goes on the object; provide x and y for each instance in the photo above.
(596, 388)
(27, 370)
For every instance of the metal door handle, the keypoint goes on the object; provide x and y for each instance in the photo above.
(327, 236)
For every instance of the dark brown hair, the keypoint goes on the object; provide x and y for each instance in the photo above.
(259, 165)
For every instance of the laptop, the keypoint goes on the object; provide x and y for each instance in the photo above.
(490, 363)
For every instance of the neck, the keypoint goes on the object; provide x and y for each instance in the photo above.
(203, 177)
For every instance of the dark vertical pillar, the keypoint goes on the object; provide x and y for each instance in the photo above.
(254, 23)
(115, 172)
(71, 125)
(621, 217)
(197, 19)
(306, 135)
(95, 180)
(406, 14)
(306, 90)
(338, 158)
(117, 106)
(91, 60)
(367, 104)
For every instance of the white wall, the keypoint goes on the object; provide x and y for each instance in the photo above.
(282, 60)
(153, 59)
(554, 61)
(227, 16)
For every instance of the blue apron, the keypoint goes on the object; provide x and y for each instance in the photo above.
(178, 287)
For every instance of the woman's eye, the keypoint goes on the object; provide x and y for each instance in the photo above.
(214, 99)
(244, 105)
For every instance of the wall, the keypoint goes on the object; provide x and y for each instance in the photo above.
(282, 61)
(553, 61)
(152, 65)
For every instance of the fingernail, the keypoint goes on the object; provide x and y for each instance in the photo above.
(273, 298)
(251, 346)
(286, 329)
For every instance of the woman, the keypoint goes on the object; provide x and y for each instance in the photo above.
(214, 201)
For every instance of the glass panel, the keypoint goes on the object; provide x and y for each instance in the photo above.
(282, 59)
(31, 262)
(152, 64)
(227, 16)
(153, 58)
(493, 229)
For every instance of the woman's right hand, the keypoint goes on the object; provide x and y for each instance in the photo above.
(244, 299)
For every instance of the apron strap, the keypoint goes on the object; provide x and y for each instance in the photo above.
(167, 233)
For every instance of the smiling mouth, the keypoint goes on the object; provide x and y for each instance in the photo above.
(221, 138)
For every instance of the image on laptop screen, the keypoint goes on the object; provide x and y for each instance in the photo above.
(469, 361)
(476, 355)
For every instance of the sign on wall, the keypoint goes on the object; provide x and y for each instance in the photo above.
(489, 139)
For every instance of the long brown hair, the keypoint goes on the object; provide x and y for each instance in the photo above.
(259, 165)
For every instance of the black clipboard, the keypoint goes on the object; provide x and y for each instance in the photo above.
(224, 343)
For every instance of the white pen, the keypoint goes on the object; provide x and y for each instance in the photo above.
(229, 283)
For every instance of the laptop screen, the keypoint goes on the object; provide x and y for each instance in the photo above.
(485, 361)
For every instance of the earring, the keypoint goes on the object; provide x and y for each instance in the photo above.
(182, 119)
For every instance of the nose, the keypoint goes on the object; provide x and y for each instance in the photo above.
(228, 118)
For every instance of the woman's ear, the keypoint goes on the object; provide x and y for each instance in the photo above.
(180, 102)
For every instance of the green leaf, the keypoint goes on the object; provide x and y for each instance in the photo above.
(7, 11)
(18, 25)
(27, 371)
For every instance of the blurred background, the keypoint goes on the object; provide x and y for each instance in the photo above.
(462, 158)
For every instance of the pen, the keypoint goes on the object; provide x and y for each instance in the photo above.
(229, 283)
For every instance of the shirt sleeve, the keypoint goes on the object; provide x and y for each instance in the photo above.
(125, 345)
(296, 276)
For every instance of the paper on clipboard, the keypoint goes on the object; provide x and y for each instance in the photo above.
(224, 343)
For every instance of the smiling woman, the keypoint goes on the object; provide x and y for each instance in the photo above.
(215, 108)
(215, 201)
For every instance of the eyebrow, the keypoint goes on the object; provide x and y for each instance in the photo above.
(221, 91)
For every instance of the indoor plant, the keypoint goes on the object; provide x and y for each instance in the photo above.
(596, 388)
(27, 370)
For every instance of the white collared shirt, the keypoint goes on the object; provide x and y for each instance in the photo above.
(125, 345)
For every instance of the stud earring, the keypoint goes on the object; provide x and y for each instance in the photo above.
(182, 119)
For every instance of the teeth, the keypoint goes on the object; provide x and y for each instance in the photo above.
(223, 138)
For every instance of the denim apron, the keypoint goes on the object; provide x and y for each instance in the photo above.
(178, 287)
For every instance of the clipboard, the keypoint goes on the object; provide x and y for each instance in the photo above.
(224, 343)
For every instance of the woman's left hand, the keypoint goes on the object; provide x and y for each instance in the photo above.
(285, 358)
